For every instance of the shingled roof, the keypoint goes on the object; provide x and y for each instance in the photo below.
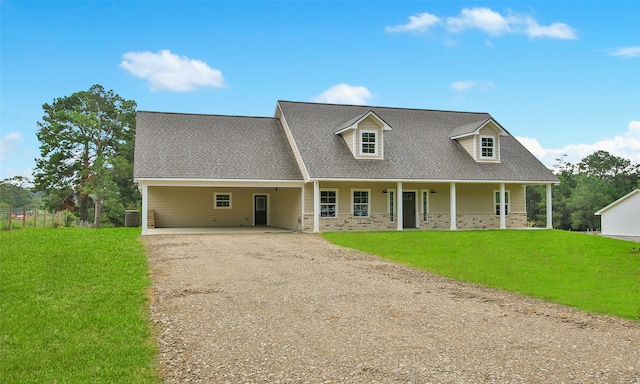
(417, 148)
(190, 146)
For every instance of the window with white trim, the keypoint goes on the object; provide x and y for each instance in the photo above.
(328, 203)
(496, 200)
(369, 143)
(360, 204)
(391, 196)
(425, 205)
(222, 200)
(487, 147)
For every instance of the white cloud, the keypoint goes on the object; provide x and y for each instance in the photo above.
(344, 94)
(462, 86)
(8, 144)
(167, 71)
(555, 30)
(483, 19)
(626, 146)
(488, 21)
(421, 22)
(627, 52)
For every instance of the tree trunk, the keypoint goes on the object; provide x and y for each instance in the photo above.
(83, 199)
(96, 220)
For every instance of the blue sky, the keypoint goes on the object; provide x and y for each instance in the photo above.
(561, 76)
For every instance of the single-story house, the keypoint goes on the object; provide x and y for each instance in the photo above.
(621, 219)
(325, 167)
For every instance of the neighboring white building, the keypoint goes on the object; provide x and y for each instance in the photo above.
(621, 219)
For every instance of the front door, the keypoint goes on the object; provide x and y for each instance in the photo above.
(408, 209)
(260, 209)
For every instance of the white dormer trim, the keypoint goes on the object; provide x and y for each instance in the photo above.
(354, 125)
(368, 124)
(476, 132)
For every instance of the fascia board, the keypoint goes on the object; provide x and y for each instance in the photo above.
(161, 182)
(623, 198)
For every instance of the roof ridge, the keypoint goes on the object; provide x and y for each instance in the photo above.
(205, 114)
(381, 107)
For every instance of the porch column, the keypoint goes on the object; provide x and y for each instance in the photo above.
(399, 219)
(503, 214)
(452, 206)
(301, 219)
(316, 206)
(145, 204)
(549, 210)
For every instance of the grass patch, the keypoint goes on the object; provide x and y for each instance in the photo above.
(74, 307)
(592, 273)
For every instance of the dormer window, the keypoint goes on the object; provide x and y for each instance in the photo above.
(487, 147)
(369, 143)
(364, 135)
(481, 139)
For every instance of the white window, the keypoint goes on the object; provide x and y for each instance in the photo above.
(487, 147)
(328, 203)
(425, 205)
(496, 200)
(360, 204)
(391, 195)
(369, 143)
(222, 200)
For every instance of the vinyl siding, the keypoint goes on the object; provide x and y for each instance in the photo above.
(177, 207)
(623, 219)
(370, 124)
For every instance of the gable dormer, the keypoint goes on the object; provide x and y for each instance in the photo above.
(481, 139)
(364, 135)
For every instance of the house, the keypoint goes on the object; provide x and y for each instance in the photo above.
(327, 167)
(621, 219)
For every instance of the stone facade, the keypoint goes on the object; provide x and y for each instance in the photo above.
(380, 222)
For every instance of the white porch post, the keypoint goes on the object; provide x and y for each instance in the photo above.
(452, 206)
(549, 208)
(145, 204)
(316, 206)
(399, 217)
(503, 213)
(302, 209)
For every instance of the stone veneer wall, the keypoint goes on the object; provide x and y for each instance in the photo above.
(380, 222)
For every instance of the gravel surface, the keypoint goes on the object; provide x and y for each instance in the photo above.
(293, 308)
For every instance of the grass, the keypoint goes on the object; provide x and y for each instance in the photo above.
(74, 307)
(591, 273)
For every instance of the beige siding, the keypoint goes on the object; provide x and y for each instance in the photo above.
(285, 208)
(348, 137)
(176, 207)
(467, 144)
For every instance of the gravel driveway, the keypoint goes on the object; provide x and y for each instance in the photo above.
(292, 308)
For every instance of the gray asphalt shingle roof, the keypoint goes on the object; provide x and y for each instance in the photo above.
(190, 146)
(418, 146)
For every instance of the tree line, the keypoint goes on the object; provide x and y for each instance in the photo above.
(86, 167)
(595, 182)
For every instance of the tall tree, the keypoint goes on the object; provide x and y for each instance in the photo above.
(86, 140)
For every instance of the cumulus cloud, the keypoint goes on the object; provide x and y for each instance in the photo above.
(488, 21)
(462, 86)
(626, 146)
(627, 52)
(166, 71)
(345, 94)
(421, 22)
(483, 19)
(8, 144)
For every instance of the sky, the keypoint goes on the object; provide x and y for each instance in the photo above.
(563, 77)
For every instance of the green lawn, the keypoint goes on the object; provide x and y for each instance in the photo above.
(592, 273)
(74, 307)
